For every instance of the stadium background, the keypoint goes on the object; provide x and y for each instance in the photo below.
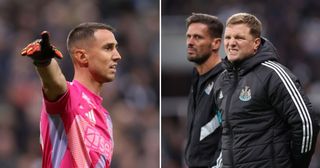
(293, 26)
(132, 99)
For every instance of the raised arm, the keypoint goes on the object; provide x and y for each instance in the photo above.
(53, 81)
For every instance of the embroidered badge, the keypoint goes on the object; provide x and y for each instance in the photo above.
(245, 94)
(220, 95)
(209, 88)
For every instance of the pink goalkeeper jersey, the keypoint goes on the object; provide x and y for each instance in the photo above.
(76, 131)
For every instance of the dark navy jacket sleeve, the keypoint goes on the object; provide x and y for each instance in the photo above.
(289, 100)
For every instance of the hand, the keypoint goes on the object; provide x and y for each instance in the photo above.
(41, 51)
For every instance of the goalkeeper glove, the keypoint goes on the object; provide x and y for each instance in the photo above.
(41, 51)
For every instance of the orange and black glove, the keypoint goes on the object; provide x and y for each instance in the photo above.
(41, 51)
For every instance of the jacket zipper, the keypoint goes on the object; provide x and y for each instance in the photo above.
(194, 95)
(234, 86)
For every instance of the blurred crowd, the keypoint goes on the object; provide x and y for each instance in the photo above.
(294, 28)
(132, 99)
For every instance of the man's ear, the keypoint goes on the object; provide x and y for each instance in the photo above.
(80, 56)
(215, 44)
(257, 43)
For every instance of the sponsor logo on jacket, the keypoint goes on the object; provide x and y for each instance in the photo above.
(220, 94)
(209, 88)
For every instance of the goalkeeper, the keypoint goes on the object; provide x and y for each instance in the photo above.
(75, 130)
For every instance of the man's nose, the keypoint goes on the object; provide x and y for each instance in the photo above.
(190, 41)
(232, 41)
(116, 55)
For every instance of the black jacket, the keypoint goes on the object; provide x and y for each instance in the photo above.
(204, 129)
(267, 120)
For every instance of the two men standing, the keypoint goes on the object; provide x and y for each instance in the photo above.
(266, 119)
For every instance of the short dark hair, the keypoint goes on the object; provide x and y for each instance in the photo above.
(215, 26)
(85, 31)
(250, 20)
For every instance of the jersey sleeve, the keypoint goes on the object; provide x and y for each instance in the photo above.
(58, 106)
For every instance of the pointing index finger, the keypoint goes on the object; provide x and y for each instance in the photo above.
(45, 39)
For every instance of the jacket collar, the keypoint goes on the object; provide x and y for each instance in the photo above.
(215, 71)
(212, 72)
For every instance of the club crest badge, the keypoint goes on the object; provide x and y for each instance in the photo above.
(245, 94)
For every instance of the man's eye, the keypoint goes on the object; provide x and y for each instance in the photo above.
(109, 47)
(197, 37)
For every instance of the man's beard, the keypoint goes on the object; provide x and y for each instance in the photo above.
(199, 59)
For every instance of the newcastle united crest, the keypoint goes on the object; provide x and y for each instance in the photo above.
(245, 94)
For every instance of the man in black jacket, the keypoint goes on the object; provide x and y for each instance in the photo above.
(203, 41)
(267, 119)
